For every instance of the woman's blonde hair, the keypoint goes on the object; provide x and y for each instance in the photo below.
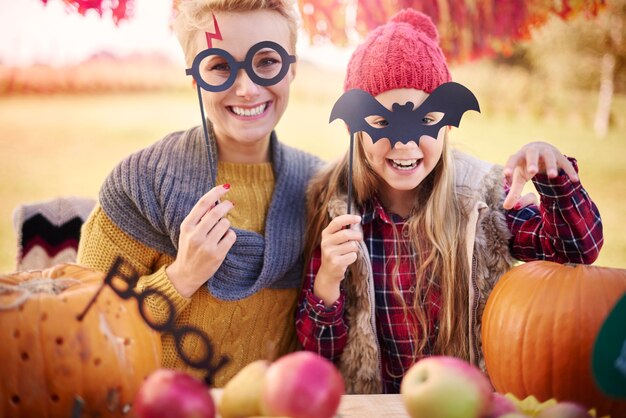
(197, 15)
(436, 229)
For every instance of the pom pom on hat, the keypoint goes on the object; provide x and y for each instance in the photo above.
(403, 53)
(419, 21)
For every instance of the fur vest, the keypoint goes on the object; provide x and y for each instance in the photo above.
(479, 185)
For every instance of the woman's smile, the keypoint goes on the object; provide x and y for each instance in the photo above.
(253, 112)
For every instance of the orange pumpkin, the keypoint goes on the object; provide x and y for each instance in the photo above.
(539, 327)
(49, 357)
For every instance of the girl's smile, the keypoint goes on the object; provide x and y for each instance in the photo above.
(404, 167)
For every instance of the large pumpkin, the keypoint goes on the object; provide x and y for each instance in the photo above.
(539, 327)
(48, 357)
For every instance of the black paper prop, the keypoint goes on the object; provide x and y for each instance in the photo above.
(215, 70)
(266, 63)
(404, 124)
(124, 286)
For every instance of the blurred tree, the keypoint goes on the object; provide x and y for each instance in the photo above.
(584, 54)
(467, 28)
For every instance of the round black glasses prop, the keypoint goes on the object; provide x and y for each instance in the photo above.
(266, 63)
(123, 284)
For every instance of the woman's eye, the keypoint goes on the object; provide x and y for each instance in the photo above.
(382, 122)
(267, 61)
(427, 120)
(219, 67)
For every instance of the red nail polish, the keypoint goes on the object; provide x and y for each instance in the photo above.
(226, 186)
(517, 206)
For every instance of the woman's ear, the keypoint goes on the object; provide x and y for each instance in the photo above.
(293, 69)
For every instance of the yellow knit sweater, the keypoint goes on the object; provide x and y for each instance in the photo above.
(258, 327)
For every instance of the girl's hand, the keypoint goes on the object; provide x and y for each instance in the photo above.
(205, 239)
(533, 158)
(339, 248)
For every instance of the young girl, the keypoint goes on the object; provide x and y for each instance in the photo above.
(213, 216)
(435, 228)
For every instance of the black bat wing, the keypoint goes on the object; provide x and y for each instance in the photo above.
(353, 107)
(453, 99)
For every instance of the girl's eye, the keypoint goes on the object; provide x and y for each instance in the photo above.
(432, 118)
(376, 121)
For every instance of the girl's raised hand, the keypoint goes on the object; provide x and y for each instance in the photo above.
(339, 247)
(533, 158)
(205, 239)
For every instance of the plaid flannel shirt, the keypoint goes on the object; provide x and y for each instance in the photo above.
(566, 228)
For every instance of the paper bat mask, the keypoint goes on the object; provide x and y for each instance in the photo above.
(403, 123)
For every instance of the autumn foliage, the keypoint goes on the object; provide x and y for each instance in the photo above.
(468, 29)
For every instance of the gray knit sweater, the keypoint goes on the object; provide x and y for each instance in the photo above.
(150, 193)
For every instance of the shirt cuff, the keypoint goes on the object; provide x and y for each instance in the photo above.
(160, 281)
(557, 188)
(319, 313)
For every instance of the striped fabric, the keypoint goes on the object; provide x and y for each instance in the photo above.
(48, 232)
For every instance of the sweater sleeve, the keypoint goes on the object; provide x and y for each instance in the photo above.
(102, 241)
(566, 227)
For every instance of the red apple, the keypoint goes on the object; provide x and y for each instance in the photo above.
(302, 385)
(445, 387)
(169, 393)
(564, 410)
(500, 405)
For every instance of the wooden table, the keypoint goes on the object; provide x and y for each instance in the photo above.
(361, 406)
(371, 406)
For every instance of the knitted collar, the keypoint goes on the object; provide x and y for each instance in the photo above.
(150, 193)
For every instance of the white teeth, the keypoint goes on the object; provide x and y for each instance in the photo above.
(255, 111)
(404, 164)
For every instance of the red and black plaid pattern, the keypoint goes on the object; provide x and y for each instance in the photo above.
(566, 228)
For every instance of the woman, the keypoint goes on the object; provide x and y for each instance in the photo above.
(213, 217)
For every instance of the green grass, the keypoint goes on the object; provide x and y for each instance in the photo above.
(66, 145)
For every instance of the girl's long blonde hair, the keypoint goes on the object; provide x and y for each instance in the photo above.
(436, 228)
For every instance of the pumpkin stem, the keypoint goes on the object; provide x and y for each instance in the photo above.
(31, 287)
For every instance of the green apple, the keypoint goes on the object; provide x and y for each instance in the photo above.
(445, 387)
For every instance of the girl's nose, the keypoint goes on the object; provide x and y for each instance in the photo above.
(244, 86)
(408, 145)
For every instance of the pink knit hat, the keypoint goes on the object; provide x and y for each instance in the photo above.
(403, 53)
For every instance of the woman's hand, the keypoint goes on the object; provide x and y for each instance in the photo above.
(339, 248)
(205, 239)
(533, 158)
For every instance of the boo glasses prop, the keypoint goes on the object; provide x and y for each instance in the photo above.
(123, 284)
(215, 70)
